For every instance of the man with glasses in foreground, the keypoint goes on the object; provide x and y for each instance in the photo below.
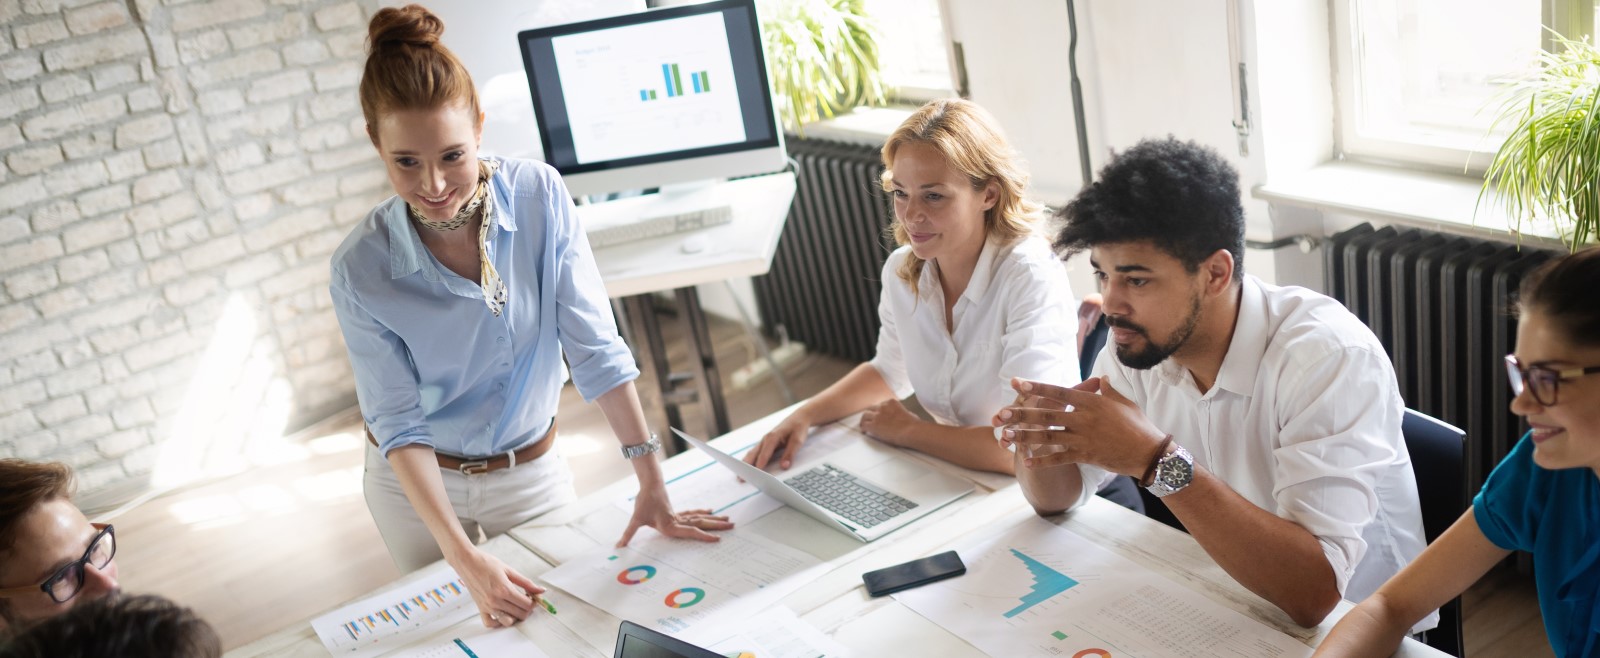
(51, 557)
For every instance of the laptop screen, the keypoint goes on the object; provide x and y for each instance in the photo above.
(635, 641)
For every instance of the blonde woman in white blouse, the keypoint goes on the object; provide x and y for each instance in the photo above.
(972, 298)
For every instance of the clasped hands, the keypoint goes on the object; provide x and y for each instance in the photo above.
(1090, 423)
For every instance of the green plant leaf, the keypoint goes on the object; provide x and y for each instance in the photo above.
(822, 58)
(1548, 167)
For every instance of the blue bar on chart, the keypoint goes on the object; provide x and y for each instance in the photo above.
(666, 72)
(644, 95)
(695, 77)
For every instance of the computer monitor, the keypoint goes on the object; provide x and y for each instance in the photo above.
(664, 96)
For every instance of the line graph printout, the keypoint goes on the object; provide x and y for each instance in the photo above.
(398, 617)
(1040, 590)
(672, 584)
(650, 88)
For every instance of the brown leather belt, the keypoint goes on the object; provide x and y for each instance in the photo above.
(527, 454)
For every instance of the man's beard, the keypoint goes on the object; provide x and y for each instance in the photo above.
(1153, 354)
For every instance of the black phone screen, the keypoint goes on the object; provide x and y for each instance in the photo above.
(915, 573)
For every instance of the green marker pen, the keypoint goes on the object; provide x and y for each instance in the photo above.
(547, 605)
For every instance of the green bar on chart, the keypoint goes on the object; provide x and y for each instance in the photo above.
(677, 81)
(705, 83)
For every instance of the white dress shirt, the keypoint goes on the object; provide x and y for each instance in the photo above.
(1304, 422)
(1017, 318)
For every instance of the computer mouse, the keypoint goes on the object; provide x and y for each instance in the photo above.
(694, 244)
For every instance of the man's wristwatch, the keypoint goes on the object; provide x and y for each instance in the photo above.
(1174, 471)
(642, 449)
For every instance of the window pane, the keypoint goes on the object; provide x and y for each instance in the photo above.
(1430, 71)
(914, 49)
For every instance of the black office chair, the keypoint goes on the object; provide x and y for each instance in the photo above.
(1122, 490)
(1436, 451)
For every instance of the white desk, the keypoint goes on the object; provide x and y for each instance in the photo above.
(740, 248)
(554, 638)
(836, 603)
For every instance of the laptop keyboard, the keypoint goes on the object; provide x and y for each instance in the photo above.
(849, 497)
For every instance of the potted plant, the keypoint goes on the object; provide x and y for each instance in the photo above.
(822, 57)
(1548, 168)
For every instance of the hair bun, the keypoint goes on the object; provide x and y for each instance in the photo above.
(411, 25)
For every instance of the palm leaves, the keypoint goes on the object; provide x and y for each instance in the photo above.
(822, 57)
(1549, 165)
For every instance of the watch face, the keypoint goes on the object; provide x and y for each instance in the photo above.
(1176, 473)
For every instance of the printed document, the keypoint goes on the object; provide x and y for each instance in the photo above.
(1040, 590)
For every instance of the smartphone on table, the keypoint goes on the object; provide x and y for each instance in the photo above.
(915, 573)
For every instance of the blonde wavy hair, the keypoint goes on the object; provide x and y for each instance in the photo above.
(970, 140)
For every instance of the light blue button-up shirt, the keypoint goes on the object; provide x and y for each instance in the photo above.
(433, 366)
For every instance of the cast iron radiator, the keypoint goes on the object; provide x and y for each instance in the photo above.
(1440, 304)
(824, 284)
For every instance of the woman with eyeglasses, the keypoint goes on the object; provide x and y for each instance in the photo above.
(51, 557)
(1544, 498)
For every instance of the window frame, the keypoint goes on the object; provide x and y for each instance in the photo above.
(1350, 144)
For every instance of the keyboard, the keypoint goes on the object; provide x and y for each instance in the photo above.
(849, 497)
(655, 227)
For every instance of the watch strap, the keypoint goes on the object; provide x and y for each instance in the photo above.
(1149, 477)
(642, 449)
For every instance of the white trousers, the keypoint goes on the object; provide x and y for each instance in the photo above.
(491, 502)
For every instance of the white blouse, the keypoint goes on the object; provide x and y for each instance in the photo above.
(1017, 318)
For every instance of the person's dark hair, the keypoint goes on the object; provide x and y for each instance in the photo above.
(1564, 291)
(1180, 196)
(408, 69)
(119, 626)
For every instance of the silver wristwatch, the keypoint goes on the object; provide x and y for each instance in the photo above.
(642, 449)
(1174, 471)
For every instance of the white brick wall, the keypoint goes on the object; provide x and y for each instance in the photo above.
(169, 168)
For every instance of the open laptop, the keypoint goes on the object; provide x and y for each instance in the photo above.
(863, 490)
(635, 641)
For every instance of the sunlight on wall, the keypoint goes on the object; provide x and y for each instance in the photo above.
(235, 408)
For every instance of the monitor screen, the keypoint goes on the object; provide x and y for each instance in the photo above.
(662, 96)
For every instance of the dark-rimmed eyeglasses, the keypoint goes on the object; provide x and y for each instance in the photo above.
(1542, 381)
(67, 581)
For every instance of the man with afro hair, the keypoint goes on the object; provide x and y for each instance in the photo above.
(1266, 418)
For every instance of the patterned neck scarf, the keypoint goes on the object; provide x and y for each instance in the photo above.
(494, 289)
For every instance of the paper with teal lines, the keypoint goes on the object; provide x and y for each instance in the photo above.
(1035, 589)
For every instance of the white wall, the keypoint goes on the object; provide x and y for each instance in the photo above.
(483, 34)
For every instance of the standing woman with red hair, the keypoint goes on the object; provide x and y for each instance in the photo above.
(458, 299)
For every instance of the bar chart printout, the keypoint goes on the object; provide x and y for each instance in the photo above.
(1039, 590)
(435, 600)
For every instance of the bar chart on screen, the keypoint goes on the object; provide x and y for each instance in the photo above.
(436, 600)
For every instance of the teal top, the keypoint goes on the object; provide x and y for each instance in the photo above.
(1555, 515)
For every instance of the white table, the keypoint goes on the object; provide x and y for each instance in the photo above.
(837, 603)
(740, 248)
(552, 636)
